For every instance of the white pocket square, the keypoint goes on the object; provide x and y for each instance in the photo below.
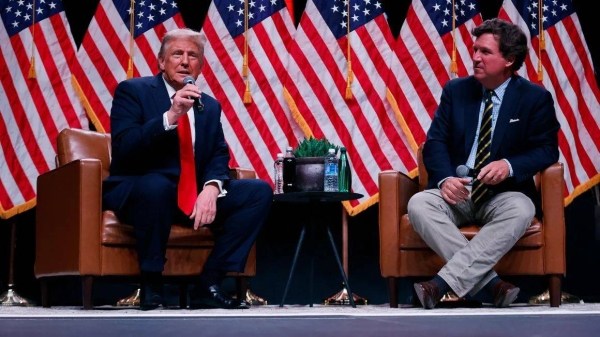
(513, 120)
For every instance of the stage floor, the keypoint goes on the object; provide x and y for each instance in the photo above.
(374, 320)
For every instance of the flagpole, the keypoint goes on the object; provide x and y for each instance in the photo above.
(32, 73)
(131, 37)
(542, 43)
(453, 65)
(348, 95)
(247, 95)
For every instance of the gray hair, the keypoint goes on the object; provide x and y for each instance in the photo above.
(183, 33)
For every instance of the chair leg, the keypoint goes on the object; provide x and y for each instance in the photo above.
(392, 285)
(183, 293)
(87, 285)
(241, 287)
(44, 291)
(554, 286)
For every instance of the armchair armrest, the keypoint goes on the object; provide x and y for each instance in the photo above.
(552, 184)
(395, 189)
(68, 219)
(241, 173)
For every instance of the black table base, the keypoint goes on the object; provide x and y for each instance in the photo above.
(313, 198)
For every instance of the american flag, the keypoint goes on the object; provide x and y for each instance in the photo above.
(258, 130)
(37, 99)
(423, 57)
(106, 50)
(568, 73)
(365, 124)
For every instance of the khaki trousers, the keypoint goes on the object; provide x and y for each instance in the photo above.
(469, 265)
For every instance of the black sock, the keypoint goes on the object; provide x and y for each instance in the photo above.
(490, 285)
(210, 277)
(444, 287)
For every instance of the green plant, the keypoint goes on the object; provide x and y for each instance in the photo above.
(313, 147)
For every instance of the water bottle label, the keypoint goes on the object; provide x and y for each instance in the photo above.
(330, 169)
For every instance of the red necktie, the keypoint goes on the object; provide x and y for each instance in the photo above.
(186, 190)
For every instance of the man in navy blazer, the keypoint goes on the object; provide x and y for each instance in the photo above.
(518, 117)
(145, 172)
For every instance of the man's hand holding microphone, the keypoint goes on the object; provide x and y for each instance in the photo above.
(454, 189)
(184, 99)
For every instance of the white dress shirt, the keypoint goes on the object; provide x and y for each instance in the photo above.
(190, 113)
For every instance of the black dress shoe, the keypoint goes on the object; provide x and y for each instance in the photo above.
(151, 297)
(428, 293)
(213, 297)
(504, 294)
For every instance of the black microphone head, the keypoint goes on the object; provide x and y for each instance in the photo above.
(462, 171)
(189, 80)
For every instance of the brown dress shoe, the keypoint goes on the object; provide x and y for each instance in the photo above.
(428, 293)
(504, 294)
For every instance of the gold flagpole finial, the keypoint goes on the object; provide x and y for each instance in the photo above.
(32, 73)
(247, 99)
(131, 39)
(350, 78)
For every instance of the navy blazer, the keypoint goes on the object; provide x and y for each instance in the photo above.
(141, 145)
(526, 132)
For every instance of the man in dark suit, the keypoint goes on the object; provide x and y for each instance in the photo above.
(505, 130)
(170, 164)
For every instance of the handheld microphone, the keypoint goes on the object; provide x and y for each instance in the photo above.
(197, 102)
(463, 171)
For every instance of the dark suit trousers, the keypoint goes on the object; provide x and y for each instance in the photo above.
(151, 208)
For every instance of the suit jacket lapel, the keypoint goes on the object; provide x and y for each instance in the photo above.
(471, 115)
(159, 94)
(508, 109)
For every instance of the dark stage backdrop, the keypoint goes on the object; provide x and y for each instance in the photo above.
(277, 241)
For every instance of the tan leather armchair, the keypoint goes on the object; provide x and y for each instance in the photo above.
(74, 236)
(402, 252)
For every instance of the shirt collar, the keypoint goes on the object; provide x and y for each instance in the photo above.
(170, 90)
(500, 90)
